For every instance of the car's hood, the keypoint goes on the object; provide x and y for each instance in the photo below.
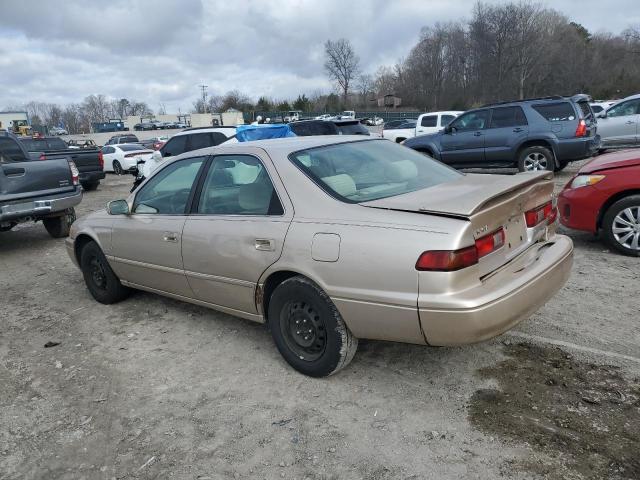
(622, 158)
(462, 197)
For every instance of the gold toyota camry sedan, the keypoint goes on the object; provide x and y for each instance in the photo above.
(331, 239)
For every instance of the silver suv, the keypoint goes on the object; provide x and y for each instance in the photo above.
(619, 125)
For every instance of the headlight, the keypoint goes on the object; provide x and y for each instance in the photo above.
(585, 180)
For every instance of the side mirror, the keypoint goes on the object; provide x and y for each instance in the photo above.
(602, 114)
(157, 156)
(118, 207)
(448, 129)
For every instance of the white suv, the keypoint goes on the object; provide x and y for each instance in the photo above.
(195, 139)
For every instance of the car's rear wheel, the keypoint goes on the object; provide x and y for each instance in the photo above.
(308, 329)
(101, 281)
(621, 226)
(59, 226)
(117, 168)
(535, 158)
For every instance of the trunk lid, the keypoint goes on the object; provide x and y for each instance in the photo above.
(488, 202)
(31, 179)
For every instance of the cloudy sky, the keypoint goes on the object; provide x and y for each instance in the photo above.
(160, 51)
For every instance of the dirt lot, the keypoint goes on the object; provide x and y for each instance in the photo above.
(155, 388)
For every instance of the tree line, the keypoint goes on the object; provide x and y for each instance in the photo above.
(503, 52)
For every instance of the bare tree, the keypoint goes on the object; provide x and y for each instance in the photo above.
(341, 64)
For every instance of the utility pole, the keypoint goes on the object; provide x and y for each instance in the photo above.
(204, 97)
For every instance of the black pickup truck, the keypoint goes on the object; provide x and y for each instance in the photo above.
(88, 160)
(33, 190)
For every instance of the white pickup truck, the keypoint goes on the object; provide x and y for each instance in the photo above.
(427, 123)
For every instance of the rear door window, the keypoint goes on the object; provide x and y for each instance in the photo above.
(175, 146)
(429, 121)
(10, 151)
(556, 112)
(199, 140)
(446, 119)
(507, 117)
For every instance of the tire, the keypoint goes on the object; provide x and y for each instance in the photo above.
(89, 186)
(535, 158)
(328, 348)
(117, 168)
(562, 165)
(58, 227)
(101, 281)
(621, 226)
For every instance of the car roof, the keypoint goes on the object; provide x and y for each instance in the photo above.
(221, 129)
(283, 146)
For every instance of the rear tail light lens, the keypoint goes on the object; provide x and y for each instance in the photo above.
(581, 131)
(101, 159)
(447, 260)
(537, 215)
(490, 243)
(42, 157)
(75, 173)
(452, 260)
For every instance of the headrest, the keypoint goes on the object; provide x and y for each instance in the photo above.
(342, 184)
(401, 171)
(255, 197)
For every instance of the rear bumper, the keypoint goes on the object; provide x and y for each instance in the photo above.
(90, 177)
(40, 207)
(502, 300)
(577, 148)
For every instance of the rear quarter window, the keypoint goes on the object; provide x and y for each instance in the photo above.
(556, 112)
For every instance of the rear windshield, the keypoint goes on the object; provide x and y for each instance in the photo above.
(130, 148)
(305, 129)
(352, 129)
(41, 144)
(556, 112)
(362, 171)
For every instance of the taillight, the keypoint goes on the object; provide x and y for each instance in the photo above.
(451, 260)
(581, 131)
(75, 173)
(447, 260)
(537, 215)
(42, 157)
(490, 243)
(101, 159)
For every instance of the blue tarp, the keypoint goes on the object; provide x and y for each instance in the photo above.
(247, 133)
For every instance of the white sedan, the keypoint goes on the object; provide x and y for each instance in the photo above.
(124, 157)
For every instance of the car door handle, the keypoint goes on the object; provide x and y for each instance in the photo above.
(265, 244)
(13, 172)
(477, 134)
(170, 237)
(518, 129)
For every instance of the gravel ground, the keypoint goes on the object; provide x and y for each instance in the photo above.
(155, 388)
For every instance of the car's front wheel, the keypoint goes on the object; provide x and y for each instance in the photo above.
(117, 168)
(621, 226)
(308, 329)
(535, 158)
(101, 281)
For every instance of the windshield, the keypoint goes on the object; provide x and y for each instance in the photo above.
(363, 171)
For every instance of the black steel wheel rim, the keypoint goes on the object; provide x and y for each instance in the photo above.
(98, 276)
(303, 330)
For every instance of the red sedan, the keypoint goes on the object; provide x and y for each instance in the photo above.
(605, 195)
